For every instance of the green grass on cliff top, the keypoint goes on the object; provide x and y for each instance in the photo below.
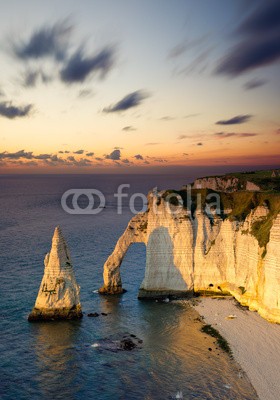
(240, 204)
(263, 179)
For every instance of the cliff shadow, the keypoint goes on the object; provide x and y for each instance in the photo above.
(163, 269)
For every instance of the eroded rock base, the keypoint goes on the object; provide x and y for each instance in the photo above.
(38, 315)
(111, 290)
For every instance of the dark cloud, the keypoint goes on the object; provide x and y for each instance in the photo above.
(78, 152)
(118, 148)
(264, 19)
(259, 44)
(80, 67)
(238, 119)
(152, 144)
(198, 65)
(131, 100)
(223, 135)
(99, 158)
(181, 137)
(21, 156)
(70, 161)
(32, 77)
(10, 111)
(89, 154)
(43, 157)
(49, 41)
(126, 161)
(185, 154)
(191, 115)
(85, 93)
(181, 48)
(199, 144)
(83, 162)
(254, 84)
(16, 155)
(31, 163)
(167, 118)
(128, 128)
(160, 160)
(115, 155)
(138, 157)
(177, 50)
(55, 158)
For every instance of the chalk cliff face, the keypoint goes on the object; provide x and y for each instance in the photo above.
(224, 184)
(58, 296)
(196, 251)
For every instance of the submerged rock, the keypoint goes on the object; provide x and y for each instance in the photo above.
(127, 344)
(116, 344)
(93, 314)
(59, 293)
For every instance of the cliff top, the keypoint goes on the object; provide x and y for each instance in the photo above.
(236, 206)
(265, 180)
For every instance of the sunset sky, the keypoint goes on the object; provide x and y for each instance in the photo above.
(116, 86)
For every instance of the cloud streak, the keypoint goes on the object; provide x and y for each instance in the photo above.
(8, 110)
(49, 41)
(238, 119)
(260, 42)
(131, 100)
(254, 84)
(128, 128)
(32, 77)
(224, 135)
(79, 67)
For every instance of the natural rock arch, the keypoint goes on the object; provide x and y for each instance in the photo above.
(136, 232)
(169, 264)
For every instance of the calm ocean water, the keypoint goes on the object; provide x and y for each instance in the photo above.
(57, 360)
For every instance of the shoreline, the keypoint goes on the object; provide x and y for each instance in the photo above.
(255, 342)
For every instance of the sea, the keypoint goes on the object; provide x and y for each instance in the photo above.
(66, 359)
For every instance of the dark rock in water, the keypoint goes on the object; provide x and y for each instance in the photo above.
(103, 313)
(127, 344)
(93, 314)
(113, 344)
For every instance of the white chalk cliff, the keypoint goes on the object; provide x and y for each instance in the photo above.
(59, 293)
(196, 251)
(224, 184)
